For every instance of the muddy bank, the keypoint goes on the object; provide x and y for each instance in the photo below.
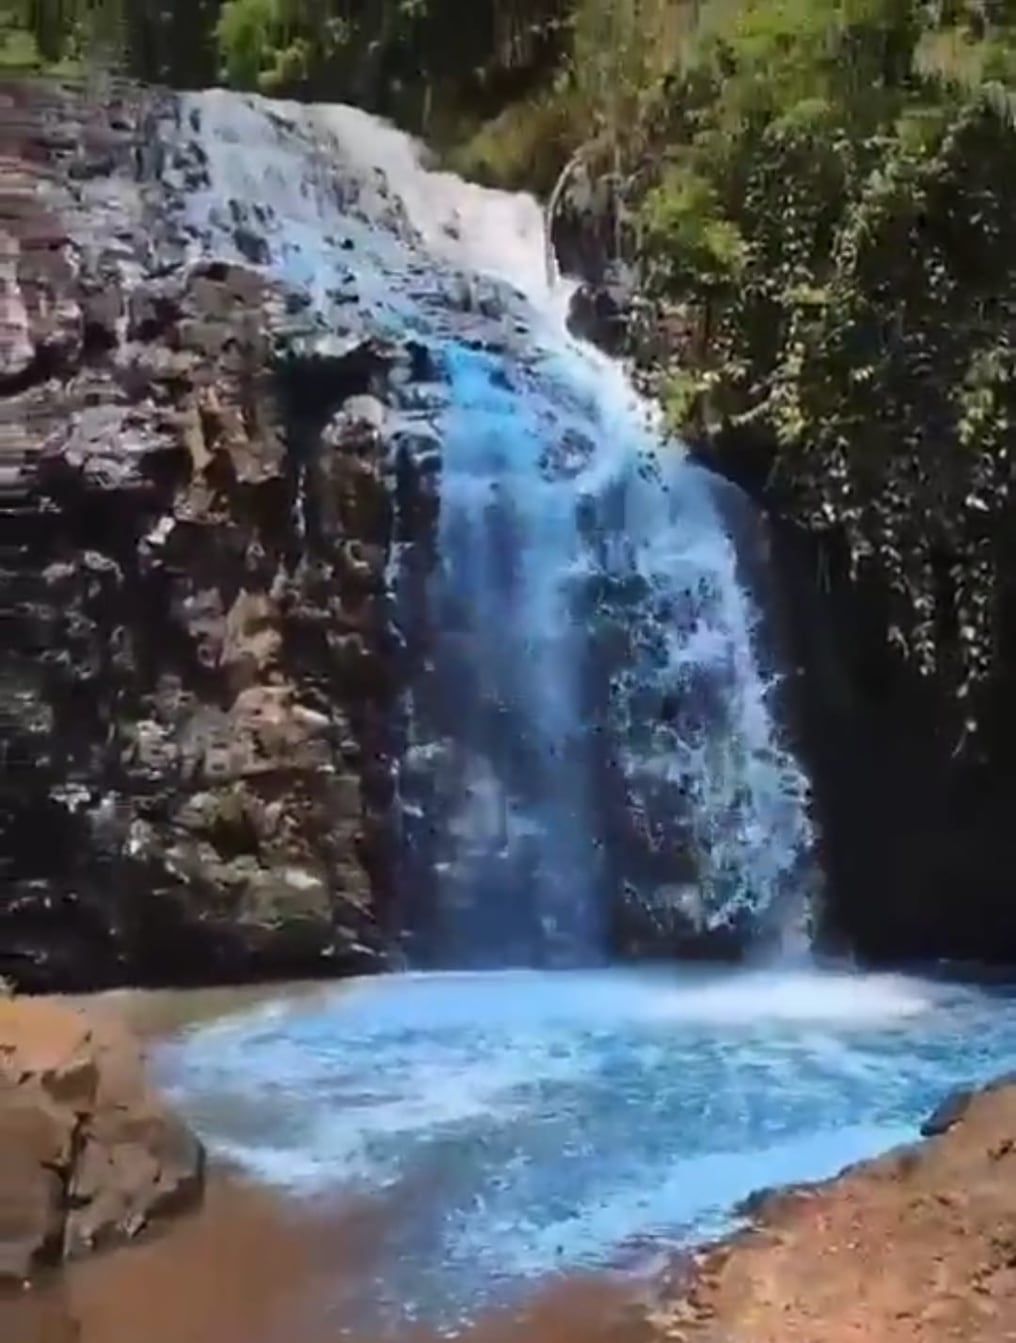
(234, 1271)
(918, 1246)
(159, 1014)
(251, 1265)
(245, 1265)
(253, 1268)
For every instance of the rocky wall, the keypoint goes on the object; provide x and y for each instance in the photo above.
(196, 506)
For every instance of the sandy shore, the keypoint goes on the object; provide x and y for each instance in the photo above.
(251, 1268)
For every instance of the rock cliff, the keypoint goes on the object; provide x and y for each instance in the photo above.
(196, 506)
(913, 815)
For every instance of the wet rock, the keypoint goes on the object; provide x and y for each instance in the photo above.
(599, 313)
(585, 225)
(569, 456)
(947, 1115)
(88, 1154)
(953, 1109)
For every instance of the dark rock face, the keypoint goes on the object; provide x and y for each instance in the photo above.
(195, 515)
(599, 313)
(88, 1155)
(914, 827)
(584, 227)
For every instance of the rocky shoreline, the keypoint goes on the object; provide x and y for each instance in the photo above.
(917, 1246)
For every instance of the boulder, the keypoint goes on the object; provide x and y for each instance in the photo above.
(89, 1156)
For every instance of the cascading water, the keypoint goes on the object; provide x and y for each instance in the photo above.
(589, 729)
(518, 862)
(589, 746)
(594, 641)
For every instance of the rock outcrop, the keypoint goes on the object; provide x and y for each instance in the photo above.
(88, 1156)
(195, 514)
(915, 1247)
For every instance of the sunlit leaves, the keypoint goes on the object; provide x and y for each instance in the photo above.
(683, 212)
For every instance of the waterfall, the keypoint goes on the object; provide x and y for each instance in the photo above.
(590, 735)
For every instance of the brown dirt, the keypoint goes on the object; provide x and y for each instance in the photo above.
(227, 1274)
(158, 1014)
(917, 1247)
(251, 1268)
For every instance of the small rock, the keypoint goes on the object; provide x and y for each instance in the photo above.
(947, 1114)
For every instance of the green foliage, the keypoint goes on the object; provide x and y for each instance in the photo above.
(157, 40)
(828, 253)
(523, 148)
(42, 34)
(417, 60)
(683, 212)
(248, 33)
(414, 59)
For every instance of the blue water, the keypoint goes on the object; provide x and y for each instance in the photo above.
(519, 868)
(600, 719)
(523, 1123)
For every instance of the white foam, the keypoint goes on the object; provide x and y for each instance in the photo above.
(800, 996)
(495, 233)
(698, 1193)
